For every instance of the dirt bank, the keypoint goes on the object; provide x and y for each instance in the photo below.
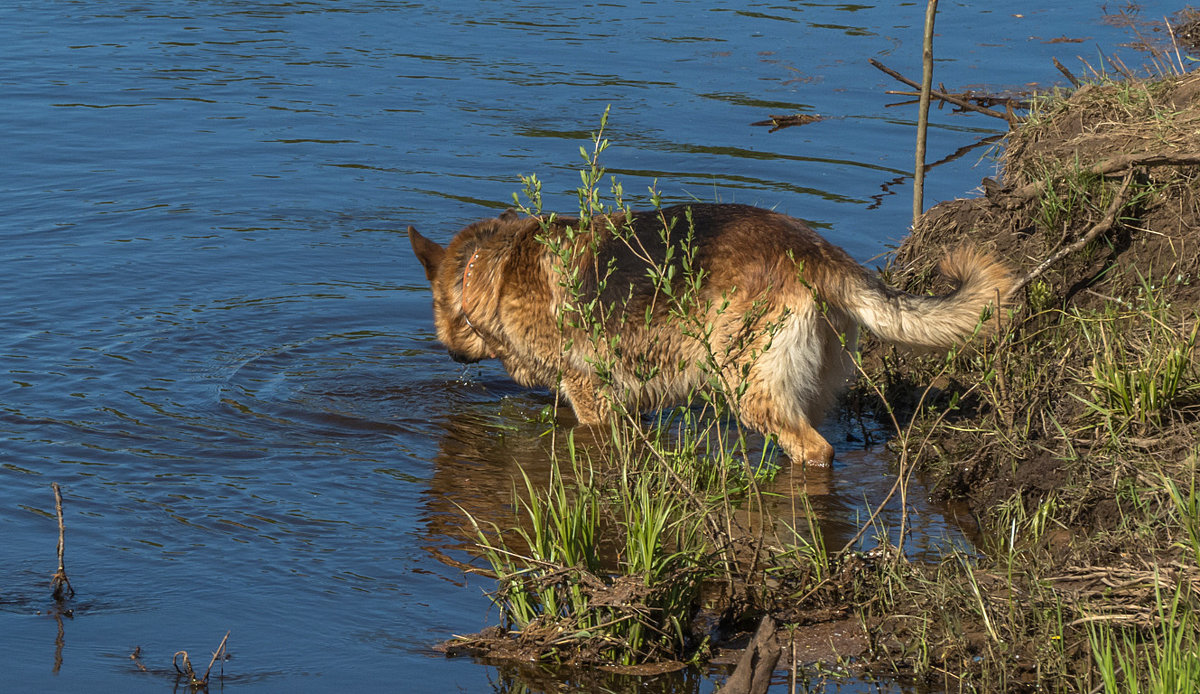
(1073, 431)
(1108, 181)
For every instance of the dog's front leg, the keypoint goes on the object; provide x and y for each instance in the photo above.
(801, 442)
(589, 404)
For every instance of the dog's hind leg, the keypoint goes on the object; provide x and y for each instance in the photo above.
(792, 382)
(764, 411)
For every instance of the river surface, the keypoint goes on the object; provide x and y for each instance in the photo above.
(214, 337)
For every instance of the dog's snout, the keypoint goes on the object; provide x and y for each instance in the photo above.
(462, 358)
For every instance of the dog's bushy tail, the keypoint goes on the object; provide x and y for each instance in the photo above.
(930, 321)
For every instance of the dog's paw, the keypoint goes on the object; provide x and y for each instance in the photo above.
(821, 457)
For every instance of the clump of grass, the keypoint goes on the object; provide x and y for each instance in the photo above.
(1166, 662)
(1143, 364)
(1163, 657)
(1067, 196)
(575, 604)
(1186, 505)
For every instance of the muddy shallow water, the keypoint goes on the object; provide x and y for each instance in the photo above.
(215, 340)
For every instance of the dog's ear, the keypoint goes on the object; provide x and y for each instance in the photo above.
(429, 253)
(509, 215)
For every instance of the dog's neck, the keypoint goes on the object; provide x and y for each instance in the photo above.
(480, 280)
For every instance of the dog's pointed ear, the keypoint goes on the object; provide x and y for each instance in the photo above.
(429, 253)
(509, 215)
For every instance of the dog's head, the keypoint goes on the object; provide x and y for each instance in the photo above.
(448, 272)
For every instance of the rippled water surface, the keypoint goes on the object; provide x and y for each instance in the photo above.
(215, 339)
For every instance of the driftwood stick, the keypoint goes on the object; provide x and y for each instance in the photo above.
(937, 94)
(984, 100)
(1126, 161)
(1118, 164)
(59, 583)
(1105, 223)
(752, 675)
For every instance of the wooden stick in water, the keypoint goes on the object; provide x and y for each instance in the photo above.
(60, 584)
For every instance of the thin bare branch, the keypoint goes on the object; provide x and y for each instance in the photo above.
(949, 98)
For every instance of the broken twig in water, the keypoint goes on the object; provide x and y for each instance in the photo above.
(949, 98)
(781, 122)
(982, 100)
(187, 671)
(136, 657)
(60, 584)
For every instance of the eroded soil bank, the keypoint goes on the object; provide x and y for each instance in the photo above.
(1073, 431)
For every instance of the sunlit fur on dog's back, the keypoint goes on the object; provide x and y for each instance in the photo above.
(776, 311)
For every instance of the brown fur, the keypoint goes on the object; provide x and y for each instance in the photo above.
(773, 301)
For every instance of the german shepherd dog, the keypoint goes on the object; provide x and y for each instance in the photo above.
(773, 314)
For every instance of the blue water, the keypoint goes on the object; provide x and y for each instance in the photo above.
(213, 336)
